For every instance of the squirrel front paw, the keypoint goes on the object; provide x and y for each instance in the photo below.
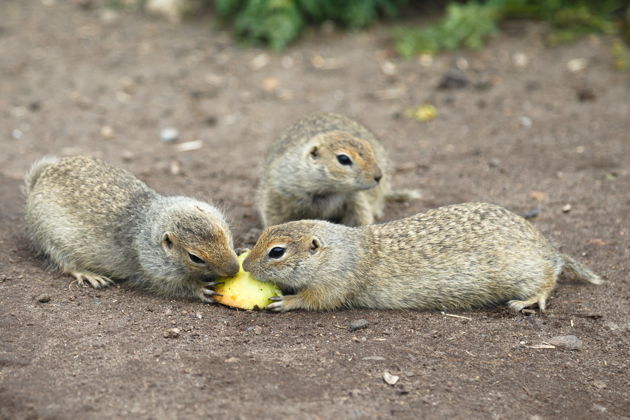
(277, 304)
(285, 303)
(204, 291)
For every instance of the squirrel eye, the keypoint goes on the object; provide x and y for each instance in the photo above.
(344, 159)
(195, 259)
(276, 252)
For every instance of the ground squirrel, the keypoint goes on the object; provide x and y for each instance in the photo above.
(329, 167)
(100, 223)
(455, 257)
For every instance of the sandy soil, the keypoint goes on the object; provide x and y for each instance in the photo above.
(89, 81)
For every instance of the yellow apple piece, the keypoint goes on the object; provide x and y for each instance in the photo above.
(244, 291)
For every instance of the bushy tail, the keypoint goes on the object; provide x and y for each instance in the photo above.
(580, 271)
(403, 195)
(35, 171)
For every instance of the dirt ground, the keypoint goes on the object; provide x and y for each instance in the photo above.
(526, 133)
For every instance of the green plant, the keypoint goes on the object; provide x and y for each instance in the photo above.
(278, 22)
(469, 25)
(465, 24)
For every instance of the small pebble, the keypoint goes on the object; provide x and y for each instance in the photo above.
(566, 208)
(388, 68)
(520, 59)
(107, 131)
(189, 146)
(525, 121)
(577, 64)
(169, 135)
(260, 61)
(172, 333)
(358, 324)
(537, 195)
(599, 384)
(585, 93)
(532, 213)
(569, 342)
(375, 358)
(43, 299)
(453, 79)
(257, 330)
(426, 60)
(389, 378)
(175, 168)
(128, 156)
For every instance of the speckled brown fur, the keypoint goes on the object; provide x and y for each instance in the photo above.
(455, 257)
(99, 223)
(302, 178)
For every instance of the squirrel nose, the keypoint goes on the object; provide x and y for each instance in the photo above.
(378, 175)
(232, 268)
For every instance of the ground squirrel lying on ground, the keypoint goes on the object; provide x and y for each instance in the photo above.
(328, 167)
(454, 257)
(100, 223)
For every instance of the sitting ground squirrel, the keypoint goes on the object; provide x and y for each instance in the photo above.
(455, 257)
(328, 167)
(98, 223)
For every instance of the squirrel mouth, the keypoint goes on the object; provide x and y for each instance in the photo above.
(209, 278)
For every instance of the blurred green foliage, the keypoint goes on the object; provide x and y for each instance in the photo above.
(278, 22)
(469, 24)
(465, 25)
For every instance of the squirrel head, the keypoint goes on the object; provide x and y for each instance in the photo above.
(342, 162)
(196, 238)
(289, 255)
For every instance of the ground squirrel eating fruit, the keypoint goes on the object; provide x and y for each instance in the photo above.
(329, 167)
(100, 223)
(454, 257)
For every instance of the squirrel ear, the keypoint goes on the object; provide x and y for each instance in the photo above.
(316, 244)
(167, 241)
(314, 153)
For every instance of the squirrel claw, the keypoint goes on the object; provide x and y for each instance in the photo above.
(212, 283)
(210, 292)
(277, 304)
(85, 278)
(275, 307)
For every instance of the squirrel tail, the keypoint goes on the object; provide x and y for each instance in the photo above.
(580, 271)
(36, 170)
(403, 195)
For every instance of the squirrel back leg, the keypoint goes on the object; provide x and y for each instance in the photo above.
(61, 260)
(97, 281)
(539, 298)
